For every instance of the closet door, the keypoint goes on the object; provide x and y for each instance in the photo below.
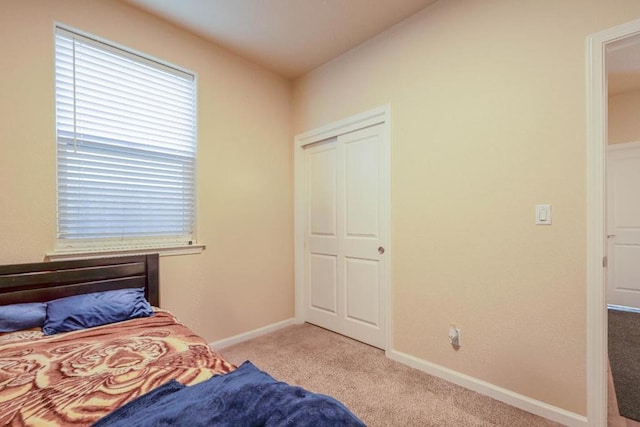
(345, 238)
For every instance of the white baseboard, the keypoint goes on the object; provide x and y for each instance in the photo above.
(514, 399)
(228, 342)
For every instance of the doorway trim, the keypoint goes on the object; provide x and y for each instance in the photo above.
(596, 217)
(379, 115)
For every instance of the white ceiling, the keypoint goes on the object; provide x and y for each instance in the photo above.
(623, 65)
(290, 37)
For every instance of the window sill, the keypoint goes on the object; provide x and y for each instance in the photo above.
(102, 253)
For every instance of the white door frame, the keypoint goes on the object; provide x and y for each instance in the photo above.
(596, 218)
(380, 115)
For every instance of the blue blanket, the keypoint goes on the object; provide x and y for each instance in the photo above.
(244, 397)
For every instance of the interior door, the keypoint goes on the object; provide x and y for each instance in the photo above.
(346, 235)
(623, 225)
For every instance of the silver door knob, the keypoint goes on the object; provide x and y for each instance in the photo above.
(380, 250)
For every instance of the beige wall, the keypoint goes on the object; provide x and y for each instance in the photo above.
(244, 279)
(624, 117)
(488, 115)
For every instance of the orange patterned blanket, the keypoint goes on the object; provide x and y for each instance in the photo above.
(75, 378)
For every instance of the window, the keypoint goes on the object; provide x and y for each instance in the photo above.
(126, 149)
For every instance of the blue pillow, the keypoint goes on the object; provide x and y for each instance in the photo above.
(95, 309)
(16, 317)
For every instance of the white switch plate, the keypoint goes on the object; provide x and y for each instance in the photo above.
(543, 214)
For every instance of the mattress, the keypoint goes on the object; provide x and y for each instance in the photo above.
(75, 378)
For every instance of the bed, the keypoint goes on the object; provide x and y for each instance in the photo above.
(129, 371)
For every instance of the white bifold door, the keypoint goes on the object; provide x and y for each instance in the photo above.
(623, 225)
(346, 234)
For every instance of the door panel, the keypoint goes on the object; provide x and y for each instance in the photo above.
(362, 285)
(323, 282)
(626, 265)
(322, 240)
(362, 184)
(344, 184)
(623, 225)
(322, 190)
(360, 236)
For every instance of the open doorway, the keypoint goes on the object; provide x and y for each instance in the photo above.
(623, 173)
(597, 102)
(622, 177)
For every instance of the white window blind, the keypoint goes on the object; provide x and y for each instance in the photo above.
(126, 148)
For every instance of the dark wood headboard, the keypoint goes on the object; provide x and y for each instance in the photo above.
(46, 281)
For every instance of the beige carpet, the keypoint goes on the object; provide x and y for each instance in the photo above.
(378, 390)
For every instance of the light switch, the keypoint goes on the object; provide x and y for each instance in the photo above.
(543, 214)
